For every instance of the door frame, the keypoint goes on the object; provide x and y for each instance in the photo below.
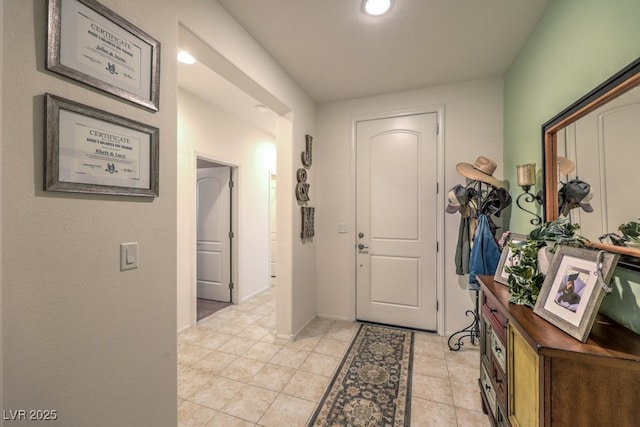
(273, 177)
(194, 237)
(439, 110)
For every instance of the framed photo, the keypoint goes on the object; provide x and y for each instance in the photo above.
(92, 151)
(89, 43)
(506, 259)
(574, 287)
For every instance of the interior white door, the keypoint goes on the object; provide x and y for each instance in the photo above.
(213, 238)
(397, 221)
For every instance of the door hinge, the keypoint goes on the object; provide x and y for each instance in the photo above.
(437, 188)
(437, 305)
(437, 128)
(230, 285)
(437, 246)
(231, 184)
(231, 235)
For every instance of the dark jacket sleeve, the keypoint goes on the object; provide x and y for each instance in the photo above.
(463, 247)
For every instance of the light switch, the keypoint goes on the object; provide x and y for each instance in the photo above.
(131, 255)
(128, 256)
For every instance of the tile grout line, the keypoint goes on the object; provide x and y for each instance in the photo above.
(319, 333)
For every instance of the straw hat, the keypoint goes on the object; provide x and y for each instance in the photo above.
(481, 170)
(565, 166)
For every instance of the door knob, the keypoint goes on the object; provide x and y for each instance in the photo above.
(361, 235)
(361, 246)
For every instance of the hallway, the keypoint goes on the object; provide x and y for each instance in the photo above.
(232, 371)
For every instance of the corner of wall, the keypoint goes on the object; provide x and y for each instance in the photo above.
(1, 310)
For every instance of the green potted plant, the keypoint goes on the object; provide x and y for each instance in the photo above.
(630, 233)
(525, 273)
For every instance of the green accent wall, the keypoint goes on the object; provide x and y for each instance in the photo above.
(576, 45)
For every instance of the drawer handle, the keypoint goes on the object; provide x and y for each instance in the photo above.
(497, 349)
(505, 324)
(487, 387)
(493, 310)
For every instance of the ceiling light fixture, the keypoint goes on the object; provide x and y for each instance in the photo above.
(376, 7)
(185, 57)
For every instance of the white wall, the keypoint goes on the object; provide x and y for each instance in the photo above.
(295, 293)
(472, 127)
(214, 134)
(79, 336)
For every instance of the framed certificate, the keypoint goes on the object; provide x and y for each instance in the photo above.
(89, 43)
(92, 151)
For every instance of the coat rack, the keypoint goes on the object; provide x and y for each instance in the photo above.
(472, 331)
(480, 191)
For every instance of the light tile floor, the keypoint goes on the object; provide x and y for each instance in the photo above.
(233, 371)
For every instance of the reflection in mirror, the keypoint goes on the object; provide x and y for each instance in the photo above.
(605, 146)
(600, 133)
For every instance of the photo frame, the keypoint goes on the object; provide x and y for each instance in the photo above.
(574, 288)
(92, 151)
(89, 43)
(501, 275)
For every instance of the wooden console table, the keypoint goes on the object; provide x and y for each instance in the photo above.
(534, 374)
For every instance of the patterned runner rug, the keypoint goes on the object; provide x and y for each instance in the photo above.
(372, 385)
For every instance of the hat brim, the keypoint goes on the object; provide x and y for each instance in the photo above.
(586, 207)
(565, 166)
(452, 208)
(468, 171)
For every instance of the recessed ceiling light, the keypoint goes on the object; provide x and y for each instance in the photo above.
(260, 107)
(185, 57)
(376, 7)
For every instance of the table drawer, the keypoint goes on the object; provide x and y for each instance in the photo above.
(500, 384)
(497, 318)
(499, 350)
(487, 387)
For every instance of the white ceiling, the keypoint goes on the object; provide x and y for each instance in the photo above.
(334, 52)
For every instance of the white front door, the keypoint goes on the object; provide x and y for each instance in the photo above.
(397, 221)
(213, 238)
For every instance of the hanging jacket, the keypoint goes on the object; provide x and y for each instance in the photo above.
(485, 254)
(463, 247)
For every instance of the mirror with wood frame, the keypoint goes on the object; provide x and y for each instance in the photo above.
(600, 134)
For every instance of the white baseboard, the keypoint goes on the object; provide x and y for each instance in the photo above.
(332, 317)
(258, 292)
(184, 328)
(287, 337)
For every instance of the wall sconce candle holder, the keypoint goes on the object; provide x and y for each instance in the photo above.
(526, 179)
